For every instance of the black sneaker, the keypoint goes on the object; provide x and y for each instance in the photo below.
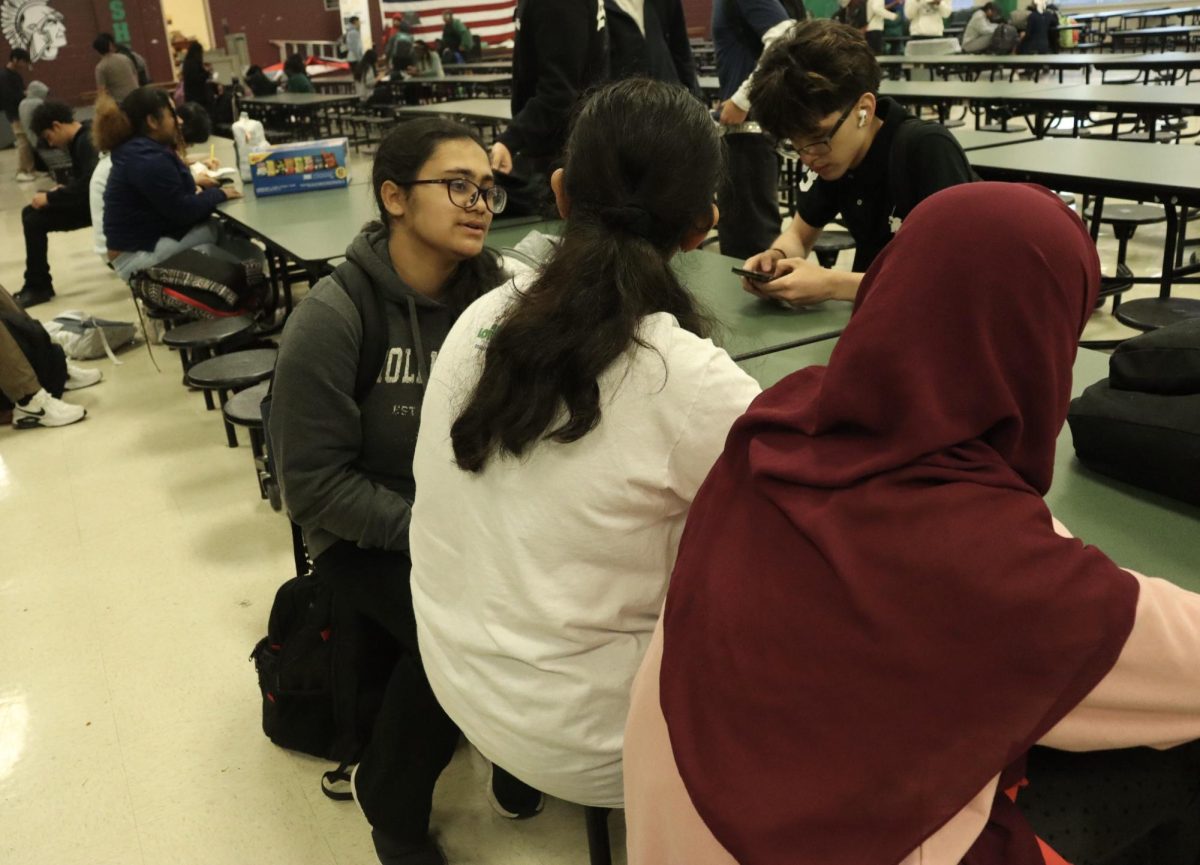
(28, 297)
(391, 853)
(513, 798)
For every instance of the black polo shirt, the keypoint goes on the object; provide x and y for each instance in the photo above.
(872, 202)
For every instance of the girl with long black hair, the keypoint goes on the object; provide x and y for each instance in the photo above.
(568, 423)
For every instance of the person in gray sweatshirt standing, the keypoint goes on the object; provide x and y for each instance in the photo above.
(345, 459)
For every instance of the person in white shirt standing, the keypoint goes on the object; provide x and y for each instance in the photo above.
(925, 17)
(354, 46)
(877, 15)
(568, 422)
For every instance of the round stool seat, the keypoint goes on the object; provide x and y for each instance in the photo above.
(1067, 198)
(829, 244)
(245, 407)
(1152, 313)
(1135, 214)
(205, 334)
(834, 241)
(233, 371)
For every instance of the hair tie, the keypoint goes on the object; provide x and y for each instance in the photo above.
(631, 218)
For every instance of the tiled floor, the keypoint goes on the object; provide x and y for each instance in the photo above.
(138, 569)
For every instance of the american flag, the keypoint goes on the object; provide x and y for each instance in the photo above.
(489, 20)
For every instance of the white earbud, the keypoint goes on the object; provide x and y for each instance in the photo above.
(862, 117)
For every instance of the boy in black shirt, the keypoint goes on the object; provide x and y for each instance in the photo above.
(874, 163)
(64, 208)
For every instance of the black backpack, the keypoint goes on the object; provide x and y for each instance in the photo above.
(1005, 39)
(321, 672)
(1141, 425)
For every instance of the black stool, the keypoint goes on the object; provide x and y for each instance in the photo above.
(599, 845)
(244, 408)
(229, 373)
(200, 340)
(1124, 219)
(829, 244)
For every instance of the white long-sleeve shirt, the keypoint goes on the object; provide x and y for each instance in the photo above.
(925, 16)
(878, 14)
(537, 582)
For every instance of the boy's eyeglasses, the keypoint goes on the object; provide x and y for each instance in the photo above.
(823, 146)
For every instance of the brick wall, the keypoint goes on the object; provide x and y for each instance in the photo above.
(72, 71)
(699, 17)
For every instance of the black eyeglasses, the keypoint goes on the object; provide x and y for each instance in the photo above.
(822, 147)
(464, 193)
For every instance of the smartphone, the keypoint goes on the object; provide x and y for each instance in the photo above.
(753, 274)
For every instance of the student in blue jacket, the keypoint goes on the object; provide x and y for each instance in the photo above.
(152, 206)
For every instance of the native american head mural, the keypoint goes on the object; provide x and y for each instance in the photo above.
(35, 26)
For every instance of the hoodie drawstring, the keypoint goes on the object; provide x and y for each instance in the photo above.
(418, 346)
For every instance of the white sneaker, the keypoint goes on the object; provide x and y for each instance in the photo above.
(25, 177)
(45, 410)
(81, 377)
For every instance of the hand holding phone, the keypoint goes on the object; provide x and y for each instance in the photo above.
(757, 276)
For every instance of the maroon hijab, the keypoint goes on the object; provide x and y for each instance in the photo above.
(871, 614)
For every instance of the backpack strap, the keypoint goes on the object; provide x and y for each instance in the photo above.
(372, 351)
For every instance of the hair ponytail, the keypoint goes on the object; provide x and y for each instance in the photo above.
(110, 125)
(114, 124)
(631, 207)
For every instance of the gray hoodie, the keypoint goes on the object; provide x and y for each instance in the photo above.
(35, 95)
(345, 469)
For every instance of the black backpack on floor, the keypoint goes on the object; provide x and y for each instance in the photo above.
(1141, 425)
(322, 671)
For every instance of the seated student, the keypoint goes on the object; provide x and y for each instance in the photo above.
(397, 53)
(459, 44)
(64, 208)
(817, 88)
(297, 80)
(34, 373)
(425, 63)
(977, 36)
(873, 616)
(567, 425)
(345, 460)
(152, 207)
(364, 76)
(259, 83)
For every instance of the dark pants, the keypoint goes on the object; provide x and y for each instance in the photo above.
(875, 41)
(1134, 806)
(38, 224)
(749, 197)
(413, 739)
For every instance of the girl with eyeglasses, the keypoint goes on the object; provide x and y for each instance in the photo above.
(345, 457)
(568, 423)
